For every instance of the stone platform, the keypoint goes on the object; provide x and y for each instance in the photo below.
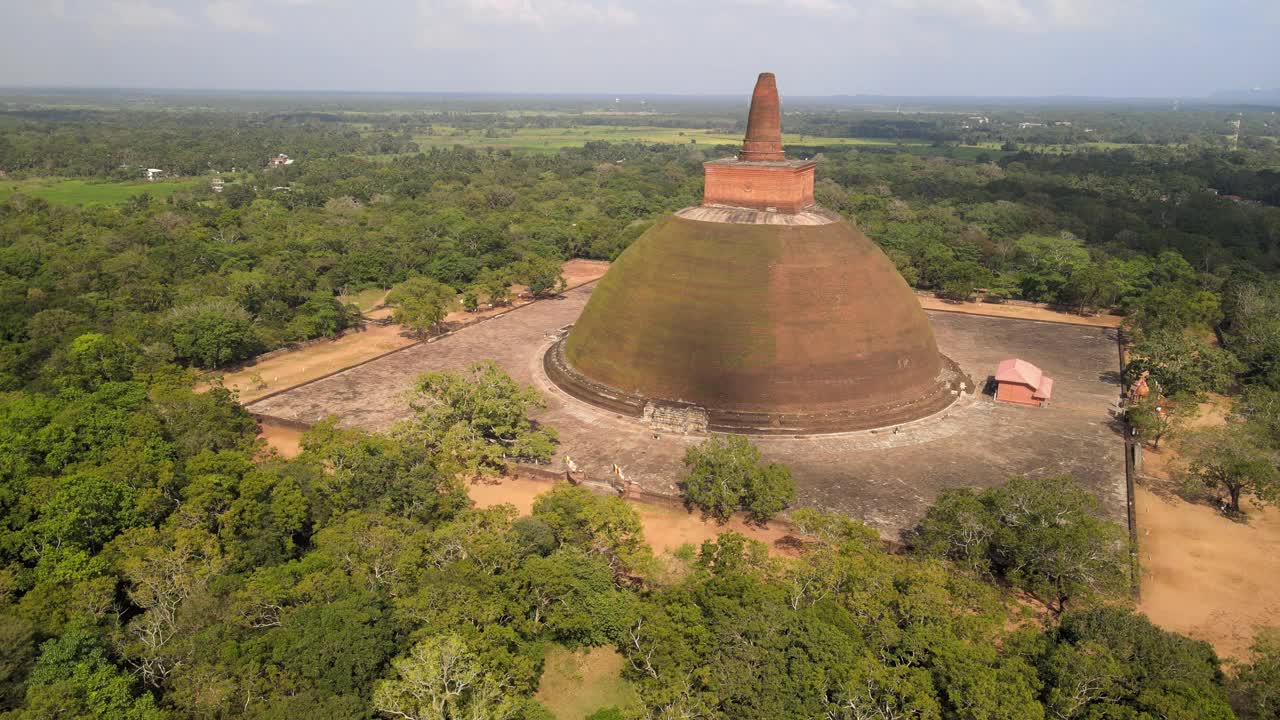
(887, 477)
(951, 384)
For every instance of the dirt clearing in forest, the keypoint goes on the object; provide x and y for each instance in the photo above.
(577, 684)
(1018, 312)
(1204, 574)
(666, 528)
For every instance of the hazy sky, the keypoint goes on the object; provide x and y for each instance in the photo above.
(817, 47)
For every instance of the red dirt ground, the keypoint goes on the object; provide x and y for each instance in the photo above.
(1020, 312)
(1203, 574)
(313, 360)
(285, 440)
(665, 528)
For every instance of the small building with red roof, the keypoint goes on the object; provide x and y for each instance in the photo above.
(1021, 383)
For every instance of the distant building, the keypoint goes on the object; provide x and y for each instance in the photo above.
(279, 160)
(1026, 125)
(1021, 383)
(216, 184)
(152, 174)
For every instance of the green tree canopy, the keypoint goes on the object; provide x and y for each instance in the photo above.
(1040, 534)
(478, 420)
(727, 474)
(1230, 459)
(420, 302)
(212, 333)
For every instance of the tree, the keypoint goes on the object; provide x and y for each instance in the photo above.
(605, 526)
(420, 302)
(93, 359)
(1230, 459)
(496, 286)
(478, 420)
(1047, 263)
(17, 654)
(961, 278)
(212, 333)
(1174, 308)
(727, 474)
(1251, 330)
(541, 275)
(1179, 363)
(1257, 684)
(471, 299)
(1155, 418)
(1040, 534)
(321, 316)
(74, 677)
(1109, 659)
(443, 679)
(1092, 287)
(873, 690)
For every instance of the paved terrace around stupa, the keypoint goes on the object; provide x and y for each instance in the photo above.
(886, 478)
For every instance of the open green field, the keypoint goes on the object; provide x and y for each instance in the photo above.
(577, 684)
(91, 192)
(552, 139)
(366, 300)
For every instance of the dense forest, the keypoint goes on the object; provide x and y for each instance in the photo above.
(156, 561)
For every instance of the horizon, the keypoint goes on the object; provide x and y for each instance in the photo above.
(818, 48)
(1228, 95)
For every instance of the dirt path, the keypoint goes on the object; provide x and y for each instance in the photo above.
(284, 370)
(665, 528)
(1019, 312)
(1203, 574)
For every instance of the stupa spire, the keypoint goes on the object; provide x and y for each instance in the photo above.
(764, 123)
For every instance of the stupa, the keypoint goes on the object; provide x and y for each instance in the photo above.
(757, 311)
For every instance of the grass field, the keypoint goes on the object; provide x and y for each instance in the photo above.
(577, 684)
(90, 192)
(553, 139)
(366, 300)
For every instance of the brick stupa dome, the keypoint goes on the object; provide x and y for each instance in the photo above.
(768, 319)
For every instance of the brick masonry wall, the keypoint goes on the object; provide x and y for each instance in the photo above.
(786, 189)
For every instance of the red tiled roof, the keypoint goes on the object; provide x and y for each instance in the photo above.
(1015, 370)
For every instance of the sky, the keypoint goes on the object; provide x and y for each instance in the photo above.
(1117, 48)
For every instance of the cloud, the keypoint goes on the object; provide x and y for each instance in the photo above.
(454, 22)
(820, 8)
(236, 16)
(1091, 13)
(134, 13)
(1009, 14)
(1020, 15)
